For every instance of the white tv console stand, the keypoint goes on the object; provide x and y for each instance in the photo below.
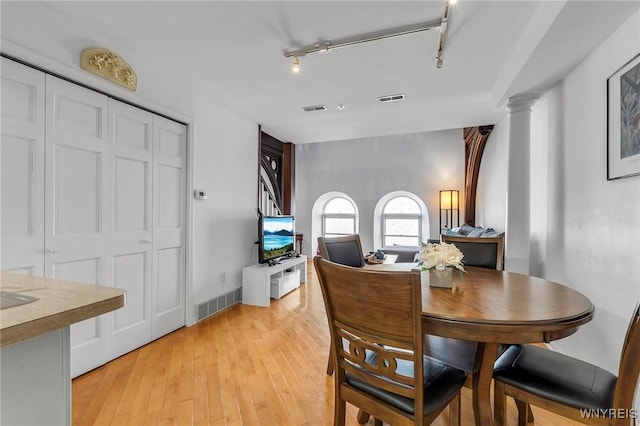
(261, 282)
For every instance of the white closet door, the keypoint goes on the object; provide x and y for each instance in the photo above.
(22, 169)
(94, 190)
(168, 305)
(78, 205)
(131, 230)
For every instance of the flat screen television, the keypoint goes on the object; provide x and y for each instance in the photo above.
(277, 238)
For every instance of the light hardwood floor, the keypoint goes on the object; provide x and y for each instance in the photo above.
(245, 366)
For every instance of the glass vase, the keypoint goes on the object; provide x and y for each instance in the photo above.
(443, 279)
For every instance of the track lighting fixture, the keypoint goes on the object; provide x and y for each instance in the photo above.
(443, 31)
(295, 65)
(326, 45)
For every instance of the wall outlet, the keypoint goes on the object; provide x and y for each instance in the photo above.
(223, 277)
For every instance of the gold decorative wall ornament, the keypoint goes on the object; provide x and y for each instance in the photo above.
(109, 65)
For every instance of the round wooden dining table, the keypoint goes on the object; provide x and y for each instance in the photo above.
(494, 307)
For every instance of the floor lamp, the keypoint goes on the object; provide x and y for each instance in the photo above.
(449, 202)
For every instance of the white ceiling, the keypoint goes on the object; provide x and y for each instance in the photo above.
(232, 52)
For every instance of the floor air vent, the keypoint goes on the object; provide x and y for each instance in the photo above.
(313, 108)
(217, 304)
(391, 98)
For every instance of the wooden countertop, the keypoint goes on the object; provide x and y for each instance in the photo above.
(61, 303)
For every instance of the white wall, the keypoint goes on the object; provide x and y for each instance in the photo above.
(225, 224)
(366, 169)
(593, 231)
(585, 230)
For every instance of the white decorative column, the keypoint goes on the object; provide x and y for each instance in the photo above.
(518, 215)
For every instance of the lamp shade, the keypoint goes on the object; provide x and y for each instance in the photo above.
(449, 199)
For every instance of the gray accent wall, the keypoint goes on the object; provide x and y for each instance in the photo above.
(367, 169)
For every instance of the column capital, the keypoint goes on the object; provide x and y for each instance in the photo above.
(520, 103)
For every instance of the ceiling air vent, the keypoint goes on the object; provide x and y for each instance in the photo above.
(391, 98)
(313, 108)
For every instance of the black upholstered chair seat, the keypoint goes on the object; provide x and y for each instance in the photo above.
(556, 377)
(454, 352)
(441, 383)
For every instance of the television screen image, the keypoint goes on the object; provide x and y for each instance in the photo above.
(277, 237)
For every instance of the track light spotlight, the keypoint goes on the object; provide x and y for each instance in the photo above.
(295, 65)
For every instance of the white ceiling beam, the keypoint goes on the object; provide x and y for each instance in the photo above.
(530, 39)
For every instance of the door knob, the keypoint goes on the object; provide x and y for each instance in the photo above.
(147, 241)
(53, 251)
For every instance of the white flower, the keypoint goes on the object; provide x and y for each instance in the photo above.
(440, 256)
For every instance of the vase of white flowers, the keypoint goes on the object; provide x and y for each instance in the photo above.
(438, 261)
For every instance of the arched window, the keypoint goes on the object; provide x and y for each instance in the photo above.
(338, 217)
(401, 222)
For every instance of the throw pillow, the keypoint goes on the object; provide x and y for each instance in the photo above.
(465, 229)
(478, 231)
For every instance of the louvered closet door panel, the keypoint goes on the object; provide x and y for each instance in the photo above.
(22, 169)
(168, 305)
(131, 230)
(78, 205)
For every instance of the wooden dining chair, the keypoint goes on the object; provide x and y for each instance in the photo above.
(484, 252)
(381, 368)
(345, 250)
(568, 386)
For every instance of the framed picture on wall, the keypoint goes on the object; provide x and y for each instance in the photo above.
(623, 121)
